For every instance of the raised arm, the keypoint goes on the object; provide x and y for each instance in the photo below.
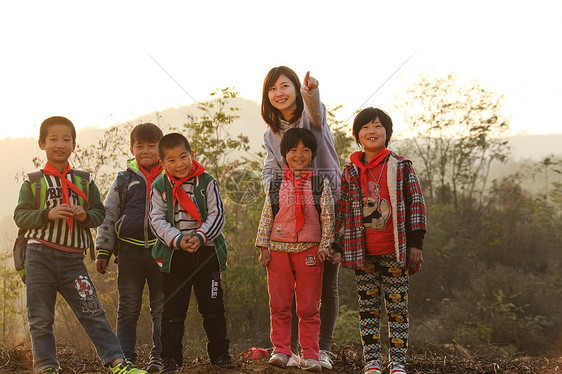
(314, 109)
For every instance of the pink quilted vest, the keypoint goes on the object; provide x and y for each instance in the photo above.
(284, 224)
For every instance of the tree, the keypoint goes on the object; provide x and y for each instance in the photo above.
(456, 130)
(343, 141)
(548, 165)
(209, 136)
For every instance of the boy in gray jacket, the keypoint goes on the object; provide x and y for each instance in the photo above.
(125, 233)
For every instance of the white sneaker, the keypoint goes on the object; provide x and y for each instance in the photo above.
(311, 365)
(325, 360)
(294, 361)
(279, 360)
(396, 368)
(373, 367)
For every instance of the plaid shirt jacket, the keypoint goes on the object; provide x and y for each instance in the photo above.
(406, 200)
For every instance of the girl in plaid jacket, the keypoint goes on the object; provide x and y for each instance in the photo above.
(380, 223)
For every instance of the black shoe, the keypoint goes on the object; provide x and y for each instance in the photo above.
(170, 366)
(224, 361)
(155, 365)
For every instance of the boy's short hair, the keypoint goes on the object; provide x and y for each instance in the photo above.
(369, 115)
(172, 140)
(55, 120)
(293, 136)
(146, 132)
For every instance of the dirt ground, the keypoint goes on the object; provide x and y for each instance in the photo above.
(429, 360)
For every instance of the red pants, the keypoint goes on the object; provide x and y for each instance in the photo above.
(290, 275)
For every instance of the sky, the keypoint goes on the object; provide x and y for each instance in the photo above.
(103, 63)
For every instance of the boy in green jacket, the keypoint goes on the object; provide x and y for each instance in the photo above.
(57, 216)
(187, 217)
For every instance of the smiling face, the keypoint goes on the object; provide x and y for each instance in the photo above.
(283, 96)
(58, 145)
(299, 158)
(146, 154)
(372, 137)
(178, 161)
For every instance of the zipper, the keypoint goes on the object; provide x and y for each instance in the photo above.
(146, 207)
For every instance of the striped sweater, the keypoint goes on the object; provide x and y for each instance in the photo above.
(56, 234)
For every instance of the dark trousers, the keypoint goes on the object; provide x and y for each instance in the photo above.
(193, 270)
(136, 268)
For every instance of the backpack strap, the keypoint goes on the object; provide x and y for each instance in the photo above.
(317, 183)
(84, 179)
(274, 188)
(84, 182)
(123, 180)
(36, 177)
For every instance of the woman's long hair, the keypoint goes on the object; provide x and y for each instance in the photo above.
(271, 114)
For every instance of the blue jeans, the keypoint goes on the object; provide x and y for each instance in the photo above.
(49, 271)
(135, 268)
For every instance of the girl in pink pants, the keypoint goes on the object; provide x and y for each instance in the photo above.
(295, 236)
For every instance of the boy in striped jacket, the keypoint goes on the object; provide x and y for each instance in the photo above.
(380, 223)
(57, 232)
(187, 217)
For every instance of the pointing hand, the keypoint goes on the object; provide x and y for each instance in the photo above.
(309, 82)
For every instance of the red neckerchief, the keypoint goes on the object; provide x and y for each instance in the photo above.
(356, 159)
(181, 196)
(65, 185)
(299, 200)
(151, 175)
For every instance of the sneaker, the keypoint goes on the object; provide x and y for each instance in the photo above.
(325, 360)
(294, 361)
(311, 364)
(224, 361)
(124, 368)
(396, 368)
(279, 360)
(373, 367)
(50, 371)
(170, 366)
(155, 365)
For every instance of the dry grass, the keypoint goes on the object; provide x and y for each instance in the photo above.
(431, 359)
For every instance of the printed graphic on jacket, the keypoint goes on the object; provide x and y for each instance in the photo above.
(376, 210)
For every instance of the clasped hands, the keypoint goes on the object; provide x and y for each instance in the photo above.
(65, 211)
(190, 244)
